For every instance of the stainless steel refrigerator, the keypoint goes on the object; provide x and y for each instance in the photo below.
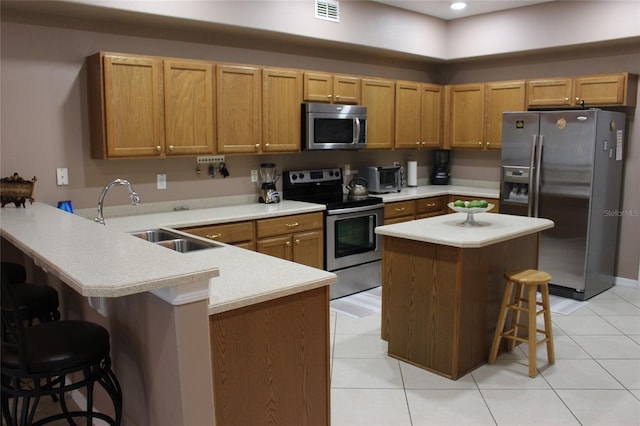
(567, 166)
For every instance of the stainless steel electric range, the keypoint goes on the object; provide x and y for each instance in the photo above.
(353, 251)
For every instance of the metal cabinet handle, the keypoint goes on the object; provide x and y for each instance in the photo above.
(257, 146)
(488, 144)
(566, 99)
(170, 147)
(291, 225)
(337, 97)
(418, 143)
(329, 96)
(288, 243)
(297, 242)
(431, 204)
(266, 145)
(214, 236)
(401, 209)
(480, 143)
(158, 148)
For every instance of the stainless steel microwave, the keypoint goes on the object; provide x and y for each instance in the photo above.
(331, 126)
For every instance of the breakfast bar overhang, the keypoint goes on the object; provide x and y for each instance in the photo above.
(442, 282)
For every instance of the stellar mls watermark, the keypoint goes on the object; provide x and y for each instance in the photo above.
(623, 213)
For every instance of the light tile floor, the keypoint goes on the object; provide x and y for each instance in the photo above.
(595, 380)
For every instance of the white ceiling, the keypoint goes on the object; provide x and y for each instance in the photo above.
(441, 9)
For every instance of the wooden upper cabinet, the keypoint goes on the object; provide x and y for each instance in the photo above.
(281, 99)
(379, 98)
(549, 92)
(188, 97)
(501, 97)
(329, 88)
(418, 115)
(238, 109)
(466, 118)
(611, 89)
(619, 89)
(432, 116)
(126, 102)
(408, 114)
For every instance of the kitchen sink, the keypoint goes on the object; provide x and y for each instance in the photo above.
(174, 241)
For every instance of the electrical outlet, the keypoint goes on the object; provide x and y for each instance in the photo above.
(254, 175)
(207, 159)
(162, 181)
(62, 176)
(347, 169)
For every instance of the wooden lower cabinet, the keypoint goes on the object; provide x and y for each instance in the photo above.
(399, 211)
(432, 206)
(440, 304)
(299, 238)
(240, 234)
(270, 362)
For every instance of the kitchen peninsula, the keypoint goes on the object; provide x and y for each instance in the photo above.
(190, 332)
(442, 283)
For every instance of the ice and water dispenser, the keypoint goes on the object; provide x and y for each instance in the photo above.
(515, 184)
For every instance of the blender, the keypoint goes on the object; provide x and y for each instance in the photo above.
(269, 176)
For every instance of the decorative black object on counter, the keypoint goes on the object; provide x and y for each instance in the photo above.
(16, 190)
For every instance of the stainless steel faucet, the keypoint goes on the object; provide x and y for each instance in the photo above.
(135, 199)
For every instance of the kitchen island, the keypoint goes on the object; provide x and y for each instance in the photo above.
(177, 320)
(442, 283)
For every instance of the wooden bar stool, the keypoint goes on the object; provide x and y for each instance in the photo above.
(529, 279)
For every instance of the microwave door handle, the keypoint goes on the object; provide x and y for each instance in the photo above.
(357, 134)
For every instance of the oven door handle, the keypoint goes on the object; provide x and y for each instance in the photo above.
(354, 209)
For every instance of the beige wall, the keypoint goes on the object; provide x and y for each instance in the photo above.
(44, 114)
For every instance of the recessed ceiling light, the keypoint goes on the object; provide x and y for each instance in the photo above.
(458, 5)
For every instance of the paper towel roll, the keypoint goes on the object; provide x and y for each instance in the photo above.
(412, 173)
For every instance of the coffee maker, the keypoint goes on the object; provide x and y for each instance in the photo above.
(269, 175)
(440, 174)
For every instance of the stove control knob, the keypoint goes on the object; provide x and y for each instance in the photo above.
(301, 175)
(294, 177)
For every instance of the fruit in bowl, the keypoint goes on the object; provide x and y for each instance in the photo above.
(471, 204)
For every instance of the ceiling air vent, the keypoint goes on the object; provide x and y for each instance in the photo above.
(329, 10)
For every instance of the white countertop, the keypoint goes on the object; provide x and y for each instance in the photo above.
(105, 261)
(436, 190)
(447, 230)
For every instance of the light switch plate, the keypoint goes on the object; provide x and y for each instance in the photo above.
(62, 176)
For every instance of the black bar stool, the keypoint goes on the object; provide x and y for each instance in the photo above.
(34, 301)
(52, 358)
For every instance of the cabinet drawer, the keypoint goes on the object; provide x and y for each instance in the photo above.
(431, 205)
(289, 224)
(226, 233)
(398, 209)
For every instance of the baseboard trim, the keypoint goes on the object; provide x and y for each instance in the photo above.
(626, 282)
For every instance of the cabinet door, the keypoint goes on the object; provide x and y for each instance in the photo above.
(276, 246)
(308, 249)
(188, 106)
(281, 99)
(500, 97)
(408, 115)
(549, 92)
(134, 111)
(379, 98)
(318, 87)
(346, 89)
(432, 116)
(467, 116)
(600, 90)
(238, 109)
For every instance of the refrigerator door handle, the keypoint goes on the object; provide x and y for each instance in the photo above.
(531, 164)
(538, 167)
